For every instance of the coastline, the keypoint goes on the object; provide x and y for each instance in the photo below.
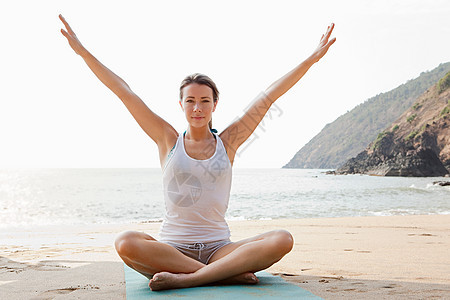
(335, 258)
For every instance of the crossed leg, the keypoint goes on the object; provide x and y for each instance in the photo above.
(168, 268)
(147, 256)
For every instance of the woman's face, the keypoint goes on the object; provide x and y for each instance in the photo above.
(198, 104)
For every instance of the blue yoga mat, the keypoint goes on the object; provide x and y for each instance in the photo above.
(269, 287)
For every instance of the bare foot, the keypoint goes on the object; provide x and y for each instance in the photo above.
(166, 281)
(244, 278)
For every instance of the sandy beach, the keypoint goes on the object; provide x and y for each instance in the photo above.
(398, 257)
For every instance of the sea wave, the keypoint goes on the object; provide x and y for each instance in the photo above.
(106, 196)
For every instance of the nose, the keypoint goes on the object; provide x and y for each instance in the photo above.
(197, 107)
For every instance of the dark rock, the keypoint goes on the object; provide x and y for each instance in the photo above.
(403, 160)
(442, 183)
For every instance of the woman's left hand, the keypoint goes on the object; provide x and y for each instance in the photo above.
(324, 44)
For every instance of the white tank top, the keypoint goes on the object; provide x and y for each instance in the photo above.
(196, 194)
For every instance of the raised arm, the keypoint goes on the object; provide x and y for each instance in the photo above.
(158, 129)
(240, 130)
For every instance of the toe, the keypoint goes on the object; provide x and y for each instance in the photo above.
(251, 278)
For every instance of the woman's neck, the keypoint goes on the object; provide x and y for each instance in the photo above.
(198, 133)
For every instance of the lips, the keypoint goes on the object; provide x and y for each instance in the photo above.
(197, 118)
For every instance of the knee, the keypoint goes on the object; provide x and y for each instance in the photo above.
(282, 241)
(125, 242)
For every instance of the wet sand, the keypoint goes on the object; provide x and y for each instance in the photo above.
(399, 257)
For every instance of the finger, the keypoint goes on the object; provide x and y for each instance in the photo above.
(324, 38)
(68, 36)
(330, 29)
(64, 33)
(331, 42)
(69, 29)
(64, 21)
(327, 33)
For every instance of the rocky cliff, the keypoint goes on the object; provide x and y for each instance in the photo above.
(352, 132)
(416, 144)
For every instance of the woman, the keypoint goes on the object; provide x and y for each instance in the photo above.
(194, 247)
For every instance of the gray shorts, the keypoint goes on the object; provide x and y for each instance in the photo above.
(201, 252)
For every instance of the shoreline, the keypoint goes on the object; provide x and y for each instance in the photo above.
(335, 258)
(27, 227)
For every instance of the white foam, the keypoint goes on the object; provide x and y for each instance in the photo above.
(238, 218)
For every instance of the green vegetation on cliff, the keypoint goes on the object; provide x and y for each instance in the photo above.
(380, 136)
(446, 110)
(444, 83)
(352, 132)
(411, 118)
(412, 135)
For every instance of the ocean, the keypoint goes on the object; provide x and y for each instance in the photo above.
(34, 197)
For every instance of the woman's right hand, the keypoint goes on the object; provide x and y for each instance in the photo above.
(72, 38)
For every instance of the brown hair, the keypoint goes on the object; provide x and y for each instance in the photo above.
(200, 79)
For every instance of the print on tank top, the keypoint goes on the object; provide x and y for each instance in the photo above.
(185, 188)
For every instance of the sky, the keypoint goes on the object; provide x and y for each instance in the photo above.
(54, 113)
